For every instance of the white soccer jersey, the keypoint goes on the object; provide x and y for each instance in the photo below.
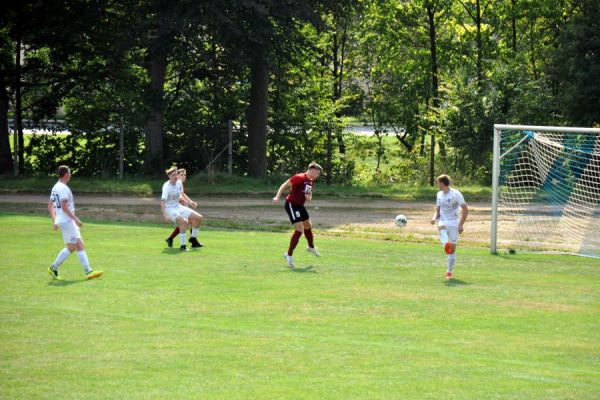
(449, 204)
(61, 192)
(171, 194)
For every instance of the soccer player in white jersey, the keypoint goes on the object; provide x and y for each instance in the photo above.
(62, 210)
(449, 202)
(173, 211)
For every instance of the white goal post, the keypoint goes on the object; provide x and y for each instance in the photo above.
(546, 189)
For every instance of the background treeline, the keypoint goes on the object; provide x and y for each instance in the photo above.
(431, 77)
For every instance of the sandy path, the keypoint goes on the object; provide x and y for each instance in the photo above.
(371, 217)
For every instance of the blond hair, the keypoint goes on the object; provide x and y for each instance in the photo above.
(314, 165)
(170, 170)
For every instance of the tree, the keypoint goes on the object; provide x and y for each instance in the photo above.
(576, 65)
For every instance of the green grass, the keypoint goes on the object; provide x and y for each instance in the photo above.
(222, 184)
(369, 320)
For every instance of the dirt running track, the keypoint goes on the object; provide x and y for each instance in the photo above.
(373, 218)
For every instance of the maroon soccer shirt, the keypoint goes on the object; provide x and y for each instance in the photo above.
(301, 185)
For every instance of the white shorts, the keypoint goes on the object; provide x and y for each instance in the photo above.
(452, 229)
(70, 232)
(181, 211)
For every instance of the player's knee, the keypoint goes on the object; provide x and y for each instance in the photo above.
(71, 247)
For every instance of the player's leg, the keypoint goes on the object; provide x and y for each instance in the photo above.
(172, 236)
(451, 250)
(295, 217)
(84, 261)
(195, 221)
(183, 224)
(298, 230)
(309, 238)
(69, 239)
(443, 233)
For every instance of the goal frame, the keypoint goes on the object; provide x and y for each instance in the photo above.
(496, 165)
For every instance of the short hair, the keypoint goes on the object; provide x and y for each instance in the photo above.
(169, 171)
(63, 170)
(314, 165)
(445, 179)
(180, 170)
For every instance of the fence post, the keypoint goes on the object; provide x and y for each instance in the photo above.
(121, 146)
(230, 147)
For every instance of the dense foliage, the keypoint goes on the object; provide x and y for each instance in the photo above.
(435, 75)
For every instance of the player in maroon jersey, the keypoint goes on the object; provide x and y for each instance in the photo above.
(301, 191)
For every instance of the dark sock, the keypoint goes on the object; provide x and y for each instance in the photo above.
(175, 233)
(294, 242)
(309, 237)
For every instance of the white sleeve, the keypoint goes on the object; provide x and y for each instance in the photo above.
(165, 192)
(63, 194)
(460, 199)
(437, 199)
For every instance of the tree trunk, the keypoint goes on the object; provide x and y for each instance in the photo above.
(479, 40)
(339, 53)
(257, 116)
(153, 128)
(513, 19)
(6, 161)
(432, 161)
(329, 155)
(422, 149)
(18, 120)
(434, 81)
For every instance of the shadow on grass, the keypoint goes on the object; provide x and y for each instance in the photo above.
(456, 282)
(310, 269)
(64, 282)
(174, 251)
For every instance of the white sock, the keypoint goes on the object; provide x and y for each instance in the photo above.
(83, 259)
(182, 238)
(60, 258)
(194, 232)
(451, 262)
(443, 236)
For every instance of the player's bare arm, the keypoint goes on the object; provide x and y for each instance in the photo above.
(436, 216)
(188, 201)
(52, 213)
(285, 185)
(65, 207)
(463, 218)
(162, 208)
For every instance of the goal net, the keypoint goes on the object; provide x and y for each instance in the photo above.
(546, 189)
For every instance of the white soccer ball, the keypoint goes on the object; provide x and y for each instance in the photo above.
(401, 220)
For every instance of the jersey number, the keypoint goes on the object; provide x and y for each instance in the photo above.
(56, 200)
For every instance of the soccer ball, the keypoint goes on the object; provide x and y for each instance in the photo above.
(401, 220)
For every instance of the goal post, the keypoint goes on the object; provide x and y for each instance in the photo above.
(546, 189)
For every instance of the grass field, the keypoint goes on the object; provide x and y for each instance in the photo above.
(370, 319)
(222, 184)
